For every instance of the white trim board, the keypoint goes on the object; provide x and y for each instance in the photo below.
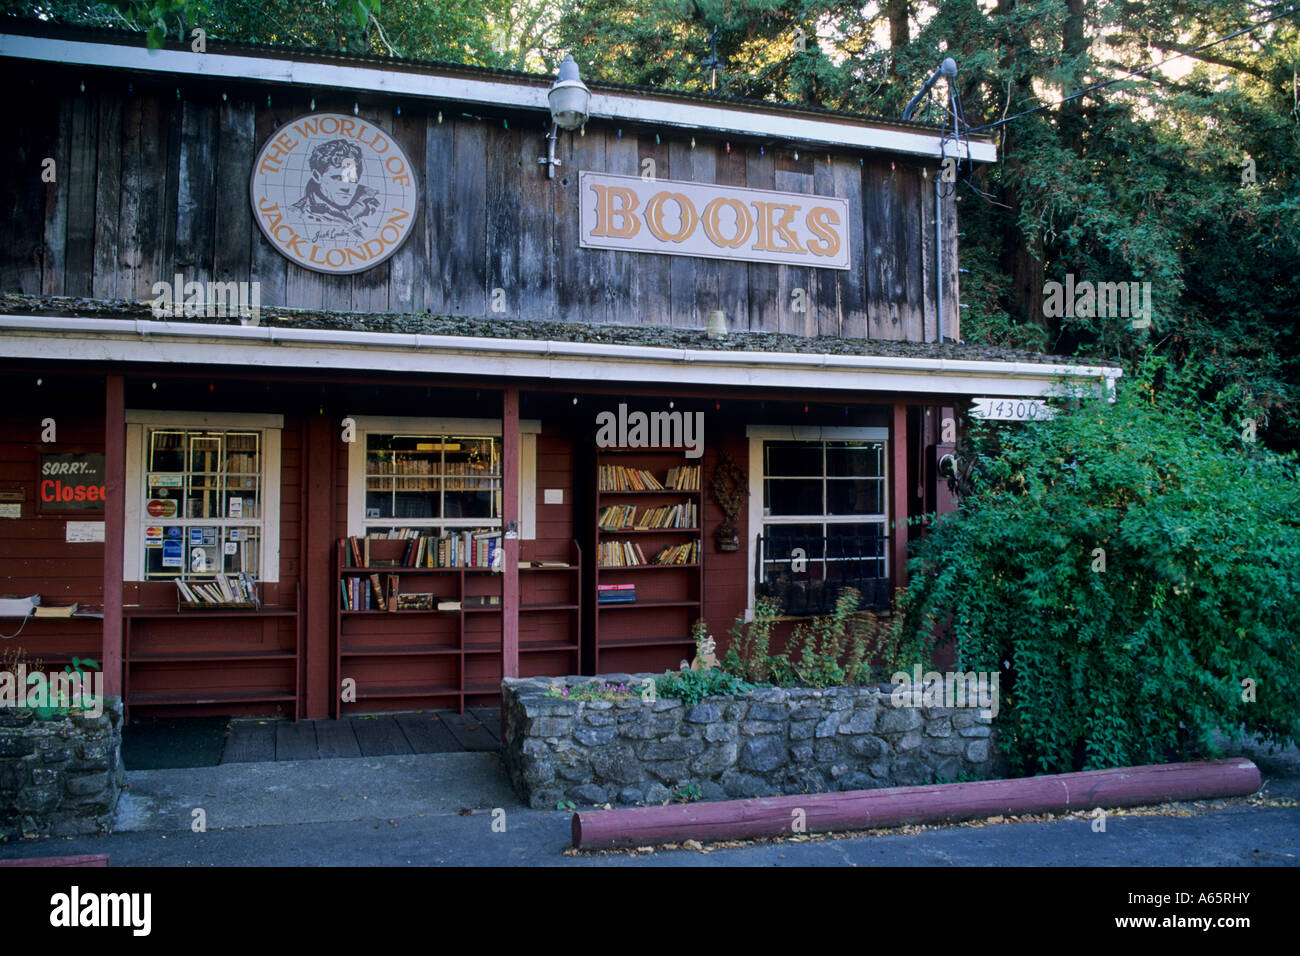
(404, 80)
(65, 338)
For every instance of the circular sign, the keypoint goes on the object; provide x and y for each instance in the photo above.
(333, 193)
(160, 508)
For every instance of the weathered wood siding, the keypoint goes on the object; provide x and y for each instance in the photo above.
(153, 181)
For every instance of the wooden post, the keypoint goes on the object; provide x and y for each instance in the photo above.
(510, 524)
(114, 529)
(898, 498)
(899, 806)
(318, 585)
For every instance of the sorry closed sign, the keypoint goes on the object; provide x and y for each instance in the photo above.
(72, 483)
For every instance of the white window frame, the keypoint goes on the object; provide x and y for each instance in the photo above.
(365, 424)
(757, 434)
(137, 420)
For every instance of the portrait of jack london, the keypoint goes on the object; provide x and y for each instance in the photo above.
(335, 204)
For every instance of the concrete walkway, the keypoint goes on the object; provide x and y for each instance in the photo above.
(440, 809)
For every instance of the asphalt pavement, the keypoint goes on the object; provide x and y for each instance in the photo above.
(458, 809)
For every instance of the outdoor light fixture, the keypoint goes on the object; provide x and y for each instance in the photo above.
(569, 99)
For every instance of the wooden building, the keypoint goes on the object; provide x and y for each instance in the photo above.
(254, 303)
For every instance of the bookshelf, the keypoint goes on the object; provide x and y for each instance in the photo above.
(242, 661)
(648, 549)
(550, 608)
(418, 655)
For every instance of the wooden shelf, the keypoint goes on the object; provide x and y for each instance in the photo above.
(197, 665)
(395, 691)
(648, 567)
(171, 657)
(408, 653)
(679, 593)
(650, 602)
(618, 532)
(142, 613)
(201, 697)
(397, 651)
(617, 643)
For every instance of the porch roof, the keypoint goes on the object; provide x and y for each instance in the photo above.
(58, 328)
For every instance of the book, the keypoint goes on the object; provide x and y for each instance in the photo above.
(378, 592)
(415, 602)
(448, 605)
(482, 600)
(392, 592)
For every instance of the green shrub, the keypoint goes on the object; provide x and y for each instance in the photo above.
(1127, 567)
(693, 686)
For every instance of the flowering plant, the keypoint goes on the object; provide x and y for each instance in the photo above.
(591, 690)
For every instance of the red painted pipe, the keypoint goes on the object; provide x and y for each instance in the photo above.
(896, 806)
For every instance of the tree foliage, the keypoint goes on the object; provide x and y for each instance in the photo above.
(1131, 569)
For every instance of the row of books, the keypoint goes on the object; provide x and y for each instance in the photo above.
(628, 554)
(626, 478)
(686, 553)
(374, 593)
(615, 593)
(223, 589)
(683, 478)
(619, 554)
(466, 549)
(622, 517)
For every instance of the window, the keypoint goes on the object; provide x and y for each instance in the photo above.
(202, 488)
(433, 480)
(434, 474)
(819, 514)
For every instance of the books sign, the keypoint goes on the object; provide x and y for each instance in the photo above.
(333, 193)
(711, 221)
(1011, 409)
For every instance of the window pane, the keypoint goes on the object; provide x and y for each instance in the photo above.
(849, 459)
(410, 504)
(792, 496)
(792, 458)
(780, 541)
(240, 550)
(854, 496)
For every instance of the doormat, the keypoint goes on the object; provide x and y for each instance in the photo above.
(168, 743)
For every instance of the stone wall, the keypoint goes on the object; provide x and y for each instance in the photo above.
(61, 776)
(767, 742)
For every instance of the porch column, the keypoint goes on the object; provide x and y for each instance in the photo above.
(114, 529)
(898, 497)
(510, 539)
(319, 588)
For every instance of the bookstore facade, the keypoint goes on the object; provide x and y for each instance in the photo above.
(338, 386)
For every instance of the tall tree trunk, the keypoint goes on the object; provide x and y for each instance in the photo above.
(899, 13)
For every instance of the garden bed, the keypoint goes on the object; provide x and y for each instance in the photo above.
(767, 741)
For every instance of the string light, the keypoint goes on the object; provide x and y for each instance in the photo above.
(692, 142)
(439, 117)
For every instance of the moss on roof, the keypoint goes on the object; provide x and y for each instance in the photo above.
(502, 328)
